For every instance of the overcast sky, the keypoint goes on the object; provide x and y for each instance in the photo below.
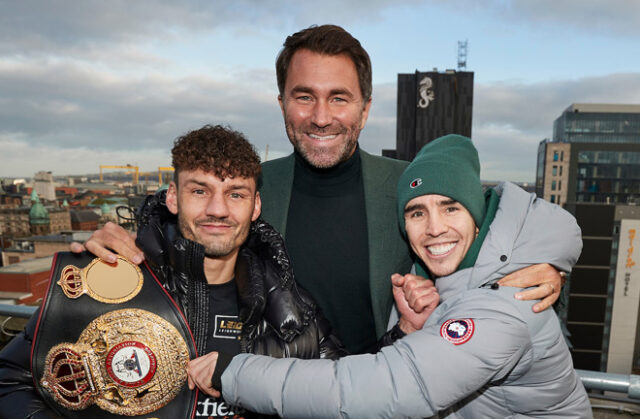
(91, 82)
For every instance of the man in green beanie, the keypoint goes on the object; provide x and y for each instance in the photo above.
(481, 353)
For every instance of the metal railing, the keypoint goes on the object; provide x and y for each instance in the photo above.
(628, 384)
(17, 311)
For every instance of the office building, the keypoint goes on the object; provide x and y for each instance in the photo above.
(430, 105)
(604, 290)
(593, 156)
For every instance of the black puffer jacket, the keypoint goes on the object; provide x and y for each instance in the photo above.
(279, 319)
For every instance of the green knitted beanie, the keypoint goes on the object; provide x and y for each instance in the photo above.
(447, 166)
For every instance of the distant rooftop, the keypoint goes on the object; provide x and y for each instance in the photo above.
(28, 266)
(62, 237)
(603, 108)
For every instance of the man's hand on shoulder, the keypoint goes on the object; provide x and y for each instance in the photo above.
(416, 298)
(200, 371)
(547, 280)
(113, 237)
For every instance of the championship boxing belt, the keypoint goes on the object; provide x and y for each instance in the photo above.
(110, 341)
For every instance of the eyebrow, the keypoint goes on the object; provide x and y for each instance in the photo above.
(414, 207)
(332, 92)
(194, 181)
(445, 202)
(191, 182)
(442, 203)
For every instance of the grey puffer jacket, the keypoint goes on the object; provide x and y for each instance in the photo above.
(481, 354)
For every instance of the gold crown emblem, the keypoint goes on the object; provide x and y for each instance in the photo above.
(67, 378)
(71, 282)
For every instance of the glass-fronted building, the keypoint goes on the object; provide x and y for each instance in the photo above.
(591, 166)
(597, 146)
(598, 123)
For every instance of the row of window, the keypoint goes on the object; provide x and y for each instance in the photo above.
(556, 170)
(611, 157)
(555, 199)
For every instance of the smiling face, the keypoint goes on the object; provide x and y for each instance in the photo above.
(440, 231)
(214, 212)
(323, 107)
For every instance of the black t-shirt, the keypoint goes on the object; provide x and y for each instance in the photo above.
(223, 336)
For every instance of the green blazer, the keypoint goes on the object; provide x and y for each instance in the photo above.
(388, 251)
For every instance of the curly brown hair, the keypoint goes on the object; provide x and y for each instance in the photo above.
(328, 40)
(216, 149)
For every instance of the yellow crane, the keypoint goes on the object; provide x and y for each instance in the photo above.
(163, 169)
(134, 170)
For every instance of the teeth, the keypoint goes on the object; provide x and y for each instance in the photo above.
(322, 137)
(440, 249)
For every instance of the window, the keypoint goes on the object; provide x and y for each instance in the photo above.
(554, 171)
(560, 170)
(559, 184)
(561, 155)
(553, 185)
(555, 156)
(553, 199)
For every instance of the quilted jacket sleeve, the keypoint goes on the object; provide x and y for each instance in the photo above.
(417, 376)
(18, 395)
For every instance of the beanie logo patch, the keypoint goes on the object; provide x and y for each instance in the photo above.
(415, 183)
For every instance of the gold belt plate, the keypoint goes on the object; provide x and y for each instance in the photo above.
(111, 283)
(128, 362)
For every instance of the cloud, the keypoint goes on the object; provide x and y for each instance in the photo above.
(618, 17)
(510, 119)
(29, 27)
(26, 160)
(90, 80)
(75, 106)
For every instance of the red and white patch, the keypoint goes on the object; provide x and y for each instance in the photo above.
(457, 331)
(131, 364)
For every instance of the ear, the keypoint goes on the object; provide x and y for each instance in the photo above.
(172, 198)
(257, 207)
(281, 103)
(365, 113)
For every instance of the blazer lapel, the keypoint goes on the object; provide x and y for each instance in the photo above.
(380, 198)
(275, 191)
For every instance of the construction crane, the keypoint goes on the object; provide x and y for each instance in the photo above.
(163, 169)
(134, 170)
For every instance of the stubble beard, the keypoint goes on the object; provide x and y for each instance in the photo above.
(217, 248)
(324, 158)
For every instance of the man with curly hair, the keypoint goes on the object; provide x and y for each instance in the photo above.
(227, 270)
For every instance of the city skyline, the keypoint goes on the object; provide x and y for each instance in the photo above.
(93, 83)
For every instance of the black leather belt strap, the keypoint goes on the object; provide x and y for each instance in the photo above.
(63, 319)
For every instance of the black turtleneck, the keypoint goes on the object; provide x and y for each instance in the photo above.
(328, 245)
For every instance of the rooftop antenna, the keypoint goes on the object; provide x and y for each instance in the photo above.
(462, 55)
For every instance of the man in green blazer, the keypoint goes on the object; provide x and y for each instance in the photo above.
(333, 202)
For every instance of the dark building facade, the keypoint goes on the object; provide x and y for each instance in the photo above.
(430, 105)
(604, 290)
